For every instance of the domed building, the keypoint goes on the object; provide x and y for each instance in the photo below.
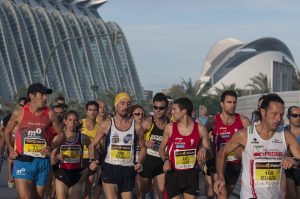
(231, 61)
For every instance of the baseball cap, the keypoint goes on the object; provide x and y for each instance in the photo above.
(38, 87)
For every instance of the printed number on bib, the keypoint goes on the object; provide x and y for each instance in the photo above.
(71, 154)
(120, 153)
(33, 146)
(85, 152)
(185, 159)
(267, 174)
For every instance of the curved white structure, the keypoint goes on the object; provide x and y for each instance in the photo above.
(233, 61)
(30, 29)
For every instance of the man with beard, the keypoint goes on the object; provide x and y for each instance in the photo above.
(263, 159)
(33, 143)
(223, 126)
(122, 134)
(153, 164)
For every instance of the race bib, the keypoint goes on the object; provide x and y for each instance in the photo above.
(120, 153)
(71, 154)
(185, 159)
(154, 150)
(267, 174)
(85, 152)
(33, 146)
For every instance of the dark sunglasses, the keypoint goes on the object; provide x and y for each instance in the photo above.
(138, 114)
(159, 108)
(295, 115)
(21, 105)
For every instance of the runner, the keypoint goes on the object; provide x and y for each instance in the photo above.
(187, 141)
(223, 126)
(33, 143)
(293, 174)
(265, 145)
(203, 114)
(122, 133)
(89, 128)
(102, 111)
(153, 164)
(70, 155)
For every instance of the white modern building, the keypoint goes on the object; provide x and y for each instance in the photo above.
(231, 61)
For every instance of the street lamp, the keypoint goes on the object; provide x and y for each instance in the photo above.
(68, 39)
(94, 89)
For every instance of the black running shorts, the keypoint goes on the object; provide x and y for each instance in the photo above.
(68, 177)
(294, 174)
(179, 182)
(152, 166)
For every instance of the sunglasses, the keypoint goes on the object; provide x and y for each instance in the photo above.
(21, 105)
(138, 114)
(159, 108)
(295, 115)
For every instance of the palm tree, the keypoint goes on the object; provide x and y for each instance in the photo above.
(239, 91)
(260, 84)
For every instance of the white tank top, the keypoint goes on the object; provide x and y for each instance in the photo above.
(261, 175)
(120, 146)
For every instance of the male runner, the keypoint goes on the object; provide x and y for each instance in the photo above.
(70, 155)
(293, 174)
(122, 133)
(33, 143)
(153, 164)
(102, 111)
(223, 126)
(187, 141)
(89, 128)
(265, 145)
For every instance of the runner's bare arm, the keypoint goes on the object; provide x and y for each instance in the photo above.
(12, 123)
(60, 137)
(293, 145)
(164, 142)
(239, 139)
(101, 133)
(205, 151)
(140, 135)
(245, 121)
(167, 134)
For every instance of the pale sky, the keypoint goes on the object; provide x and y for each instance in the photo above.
(170, 39)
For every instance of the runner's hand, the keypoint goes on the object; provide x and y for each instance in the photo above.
(219, 185)
(12, 154)
(46, 151)
(138, 167)
(93, 165)
(167, 166)
(201, 155)
(287, 162)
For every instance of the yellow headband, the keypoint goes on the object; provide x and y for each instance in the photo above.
(121, 96)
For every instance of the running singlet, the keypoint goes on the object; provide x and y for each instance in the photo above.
(223, 133)
(72, 153)
(261, 175)
(120, 146)
(182, 150)
(90, 133)
(32, 134)
(156, 135)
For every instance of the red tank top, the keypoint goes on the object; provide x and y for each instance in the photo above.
(223, 133)
(32, 134)
(183, 149)
(73, 152)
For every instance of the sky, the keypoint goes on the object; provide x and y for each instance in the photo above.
(170, 39)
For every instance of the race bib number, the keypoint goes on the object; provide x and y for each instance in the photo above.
(33, 146)
(120, 153)
(85, 152)
(71, 154)
(267, 174)
(185, 159)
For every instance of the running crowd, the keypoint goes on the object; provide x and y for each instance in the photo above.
(52, 153)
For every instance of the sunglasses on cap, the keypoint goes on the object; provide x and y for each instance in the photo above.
(138, 114)
(159, 108)
(295, 115)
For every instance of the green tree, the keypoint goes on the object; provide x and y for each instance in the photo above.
(239, 91)
(260, 84)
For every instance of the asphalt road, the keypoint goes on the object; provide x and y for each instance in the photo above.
(7, 193)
